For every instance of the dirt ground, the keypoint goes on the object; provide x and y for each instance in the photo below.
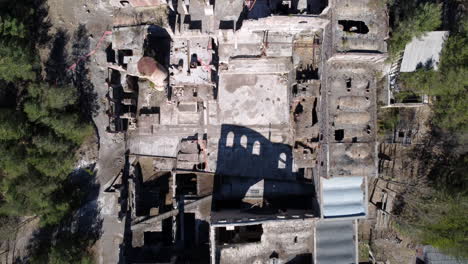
(97, 17)
(399, 166)
(393, 251)
(16, 248)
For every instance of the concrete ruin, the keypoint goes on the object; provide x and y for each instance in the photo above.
(250, 129)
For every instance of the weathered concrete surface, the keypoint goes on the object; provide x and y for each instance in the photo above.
(284, 240)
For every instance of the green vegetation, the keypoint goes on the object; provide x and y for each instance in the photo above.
(70, 248)
(41, 127)
(423, 18)
(38, 138)
(448, 85)
(10, 27)
(15, 64)
(436, 219)
(433, 208)
(388, 120)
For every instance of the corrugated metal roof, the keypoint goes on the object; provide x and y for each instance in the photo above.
(343, 196)
(434, 256)
(423, 50)
(336, 242)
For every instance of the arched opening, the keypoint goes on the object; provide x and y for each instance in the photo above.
(243, 141)
(256, 148)
(230, 139)
(282, 161)
(353, 26)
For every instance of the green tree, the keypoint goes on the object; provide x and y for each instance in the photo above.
(11, 27)
(15, 63)
(12, 158)
(448, 85)
(55, 107)
(12, 125)
(450, 232)
(50, 143)
(426, 17)
(53, 97)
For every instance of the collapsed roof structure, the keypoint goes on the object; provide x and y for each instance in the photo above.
(250, 129)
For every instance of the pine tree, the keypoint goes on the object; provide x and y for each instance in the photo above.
(427, 17)
(15, 63)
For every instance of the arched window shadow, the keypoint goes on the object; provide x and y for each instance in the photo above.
(256, 148)
(282, 161)
(243, 141)
(245, 159)
(230, 140)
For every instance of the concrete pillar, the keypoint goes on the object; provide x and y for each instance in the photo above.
(212, 244)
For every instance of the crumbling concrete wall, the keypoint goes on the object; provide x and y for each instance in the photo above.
(283, 240)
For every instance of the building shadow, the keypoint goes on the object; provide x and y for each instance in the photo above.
(255, 180)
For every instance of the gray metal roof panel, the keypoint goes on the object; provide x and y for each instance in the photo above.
(422, 50)
(343, 196)
(336, 242)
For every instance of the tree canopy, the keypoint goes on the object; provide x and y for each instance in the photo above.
(425, 17)
(433, 209)
(41, 127)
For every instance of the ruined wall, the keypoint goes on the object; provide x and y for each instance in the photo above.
(284, 240)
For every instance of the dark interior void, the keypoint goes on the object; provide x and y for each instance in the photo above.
(150, 110)
(409, 98)
(110, 54)
(298, 110)
(301, 259)
(239, 234)
(121, 54)
(354, 26)
(186, 184)
(269, 206)
(305, 174)
(155, 238)
(152, 194)
(263, 8)
(186, 229)
(314, 113)
(157, 246)
(157, 45)
(316, 7)
(339, 134)
(192, 24)
(307, 73)
(226, 24)
(115, 96)
(192, 245)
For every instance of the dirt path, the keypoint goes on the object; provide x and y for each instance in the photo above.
(96, 16)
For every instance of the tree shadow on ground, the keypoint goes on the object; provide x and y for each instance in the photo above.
(42, 24)
(58, 70)
(89, 106)
(70, 241)
(57, 63)
(441, 157)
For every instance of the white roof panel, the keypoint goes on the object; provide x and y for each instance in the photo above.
(423, 50)
(343, 196)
